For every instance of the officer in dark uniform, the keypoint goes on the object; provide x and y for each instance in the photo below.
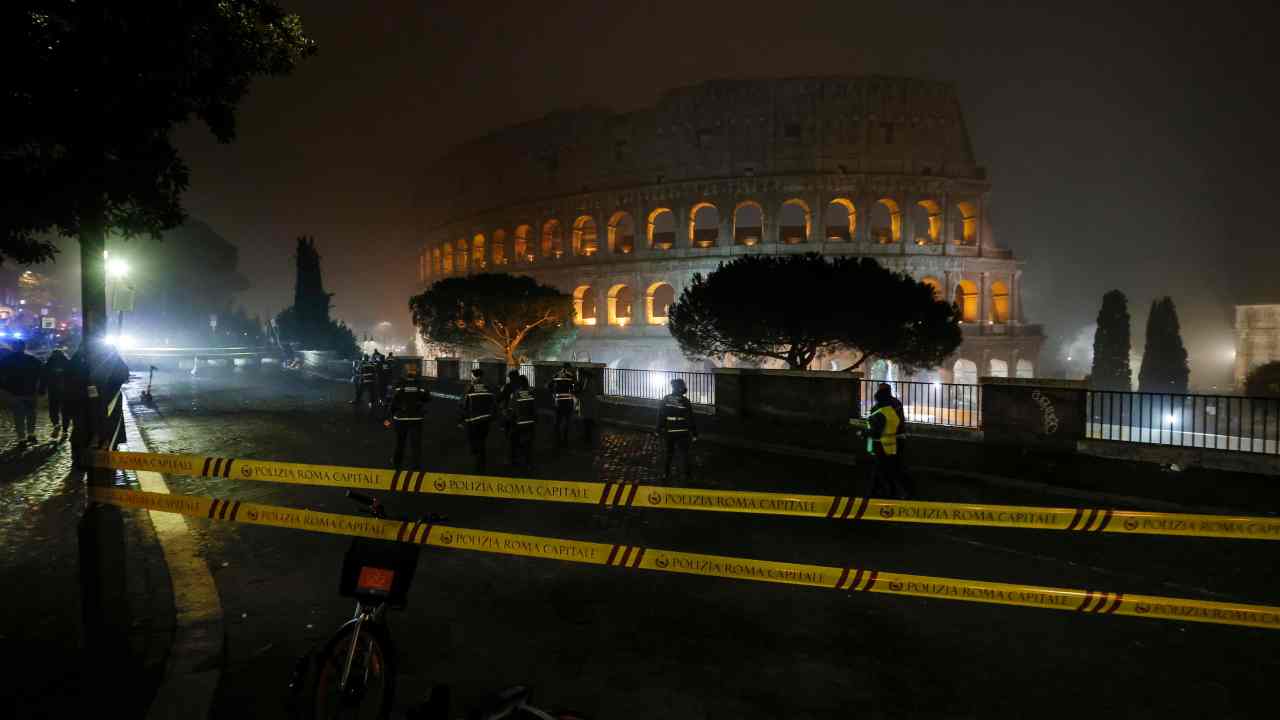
(561, 387)
(53, 380)
(366, 380)
(522, 414)
(381, 377)
(408, 409)
(677, 427)
(475, 414)
(883, 433)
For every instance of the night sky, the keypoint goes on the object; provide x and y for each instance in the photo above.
(1128, 148)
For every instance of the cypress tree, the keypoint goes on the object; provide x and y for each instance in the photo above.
(1164, 361)
(1111, 345)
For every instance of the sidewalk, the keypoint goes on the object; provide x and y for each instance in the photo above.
(52, 673)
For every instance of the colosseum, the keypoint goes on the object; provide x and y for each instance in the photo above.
(622, 209)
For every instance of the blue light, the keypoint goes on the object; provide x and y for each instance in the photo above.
(17, 336)
(3, 334)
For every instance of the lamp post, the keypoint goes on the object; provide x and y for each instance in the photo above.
(117, 272)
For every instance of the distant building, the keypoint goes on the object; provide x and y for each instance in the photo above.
(620, 210)
(1257, 338)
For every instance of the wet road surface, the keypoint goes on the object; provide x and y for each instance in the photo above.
(626, 644)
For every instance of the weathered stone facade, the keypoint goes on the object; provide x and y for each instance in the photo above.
(621, 210)
(1257, 338)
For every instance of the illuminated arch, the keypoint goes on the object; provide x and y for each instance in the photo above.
(523, 244)
(478, 259)
(436, 267)
(886, 221)
(1025, 369)
(748, 223)
(584, 305)
(552, 240)
(789, 231)
(998, 368)
(928, 222)
(446, 253)
(934, 284)
(999, 302)
(657, 299)
(621, 303)
(460, 255)
(499, 247)
(841, 219)
(965, 372)
(586, 240)
(966, 300)
(704, 225)
(965, 230)
(662, 229)
(622, 233)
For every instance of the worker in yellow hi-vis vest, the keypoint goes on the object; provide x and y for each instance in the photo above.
(884, 443)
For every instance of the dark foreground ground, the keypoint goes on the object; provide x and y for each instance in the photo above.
(626, 645)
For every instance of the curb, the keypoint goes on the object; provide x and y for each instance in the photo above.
(194, 666)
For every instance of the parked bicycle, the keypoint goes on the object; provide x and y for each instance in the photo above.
(354, 674)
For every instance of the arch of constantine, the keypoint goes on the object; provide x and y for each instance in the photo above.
(620, 210)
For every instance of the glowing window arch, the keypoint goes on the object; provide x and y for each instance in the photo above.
(842, 223)
(966, 224)
(657, 299)
(966, 300)
(999, 302)
(886, 221)
(585, 238)
(523, 246)
(621, 302)
(584, 305)
(1025, 369)
(460, 255)
(622, 233)
(965, 372)
(662, 229)
(499, 247)
(704, 225)
(789, 233)
(928, 232)
(748, 223)
(552, 240)
(999, 368)
(478, 259)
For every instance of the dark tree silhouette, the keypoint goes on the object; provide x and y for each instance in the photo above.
(1263, 381)
(1111, 345)
(794, 307)
(306, 324)
(510, 315)
(92, 94)
(1164, 360)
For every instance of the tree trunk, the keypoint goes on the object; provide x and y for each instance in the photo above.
(93, 279)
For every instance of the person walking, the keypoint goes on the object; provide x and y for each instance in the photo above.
(20, 374)
(677, 427)
(53, 383)
(883, 433)
(561, 388)
(588, 407)
(504, 399)
(408, 410)
(475, 414)
(366, 380)
(522, 413)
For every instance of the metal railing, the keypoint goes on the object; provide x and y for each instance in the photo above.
(931, 403)
(1215, 422)
(656, 384)
(429, 367)
(526, 370)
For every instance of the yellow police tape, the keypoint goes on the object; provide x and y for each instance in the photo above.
(629, 556)
(838, 507)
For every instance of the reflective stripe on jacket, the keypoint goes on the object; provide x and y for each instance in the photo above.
(888, 434)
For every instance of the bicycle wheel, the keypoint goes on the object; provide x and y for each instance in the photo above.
(371, 685)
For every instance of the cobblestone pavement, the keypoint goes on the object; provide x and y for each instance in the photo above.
(50, 672)
(623, 645)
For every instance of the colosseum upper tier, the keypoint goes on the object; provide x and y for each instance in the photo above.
(622, 209)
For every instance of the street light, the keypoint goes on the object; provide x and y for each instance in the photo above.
(117, 268)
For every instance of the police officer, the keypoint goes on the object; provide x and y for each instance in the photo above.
(561, 387)
(408, 406)
(504, 398)
(476, 412)
(381, 377)
(53, 380)
(884, 427)
(676, 426)
(366, 380)
(522, 415)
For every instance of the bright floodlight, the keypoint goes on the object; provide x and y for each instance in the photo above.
(117, 268)
(123, 342)
(1170, 418)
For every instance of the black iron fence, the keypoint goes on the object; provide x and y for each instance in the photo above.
(655, 384)
(932, 403)
(1216, 422)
